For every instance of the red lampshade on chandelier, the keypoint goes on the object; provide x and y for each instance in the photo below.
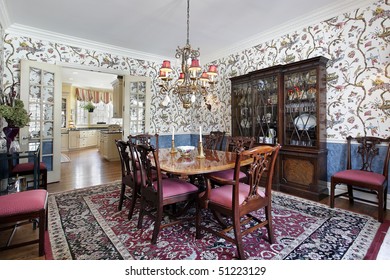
(192, 81)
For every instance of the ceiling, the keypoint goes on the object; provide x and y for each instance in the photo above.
(158, 27)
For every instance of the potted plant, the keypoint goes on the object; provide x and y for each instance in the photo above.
(89, 106)
(16, 117)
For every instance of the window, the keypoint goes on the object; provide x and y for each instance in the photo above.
(101, 114)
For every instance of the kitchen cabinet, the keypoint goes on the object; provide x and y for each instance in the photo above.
(79, 139)
(64, 142)
(108, 149)
(117, 97)
(286, 104)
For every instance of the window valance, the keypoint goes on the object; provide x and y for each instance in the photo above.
(93, 95)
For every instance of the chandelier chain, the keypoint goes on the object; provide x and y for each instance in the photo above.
(188, 22)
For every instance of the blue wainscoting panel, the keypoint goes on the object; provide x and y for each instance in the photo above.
(165, 141)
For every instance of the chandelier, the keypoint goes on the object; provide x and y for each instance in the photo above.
(192, 81)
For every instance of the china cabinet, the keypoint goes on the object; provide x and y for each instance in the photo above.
(286, 104)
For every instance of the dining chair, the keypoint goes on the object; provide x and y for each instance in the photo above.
(21, 208)
(27, 169)
(233, 144)
(160, 192)
(214, 140)
(236, 201)
(129, 177)
(145, 138)
(359, 174)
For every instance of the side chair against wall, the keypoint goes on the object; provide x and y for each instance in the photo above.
(236, 200)
(160, 192)
(359, 174)
(233, 144)
(214, 140)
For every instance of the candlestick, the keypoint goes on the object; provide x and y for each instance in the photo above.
(173, 149)
(200, 150)
(200, 134)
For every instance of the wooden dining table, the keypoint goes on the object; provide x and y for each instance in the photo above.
(214, 160)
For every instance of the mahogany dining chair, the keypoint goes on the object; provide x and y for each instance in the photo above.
(160, 192)
(236, 201)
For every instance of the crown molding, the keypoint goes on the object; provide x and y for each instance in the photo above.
(23, 30)
(295, 24)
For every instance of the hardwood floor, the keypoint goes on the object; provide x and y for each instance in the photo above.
(87, 168)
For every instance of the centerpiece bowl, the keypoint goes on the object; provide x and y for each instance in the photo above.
(185, 151)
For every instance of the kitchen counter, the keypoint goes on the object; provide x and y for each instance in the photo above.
(110, 132)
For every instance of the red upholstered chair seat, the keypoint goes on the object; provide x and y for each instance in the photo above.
(225, 175)
(174, 186)
(360, 177)
(223, 195)
(22, 202)
(28, 169)
(21, 206)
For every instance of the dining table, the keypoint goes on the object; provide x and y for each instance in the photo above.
(191, 164)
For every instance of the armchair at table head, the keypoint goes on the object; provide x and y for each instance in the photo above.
(160, 191)
(214, 140)
(359, 174)
(235, 200)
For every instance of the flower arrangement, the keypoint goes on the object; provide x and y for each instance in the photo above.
(12, 110)
(89, 106)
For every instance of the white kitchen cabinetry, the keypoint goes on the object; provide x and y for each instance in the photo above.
(79, 139)
(117, 97)
(108, 148)
(64, 142)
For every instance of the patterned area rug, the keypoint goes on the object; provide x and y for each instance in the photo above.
(85, 224)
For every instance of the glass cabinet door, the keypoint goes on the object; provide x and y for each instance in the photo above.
(300, 108)
(266, 108)
(242, 108)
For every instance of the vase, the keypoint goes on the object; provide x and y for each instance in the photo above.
(10, 134)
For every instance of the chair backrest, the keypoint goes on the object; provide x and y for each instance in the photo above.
(148, 161)
(237, 143)
(262, 167)
(214, 140)
(145, 138)
(368, 150)
(125, 156)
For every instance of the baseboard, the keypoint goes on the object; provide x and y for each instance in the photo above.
(343, 188)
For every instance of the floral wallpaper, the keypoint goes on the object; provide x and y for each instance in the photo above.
(1, 56)
(357, 44)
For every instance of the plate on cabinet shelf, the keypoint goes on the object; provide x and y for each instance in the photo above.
(305, 121)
